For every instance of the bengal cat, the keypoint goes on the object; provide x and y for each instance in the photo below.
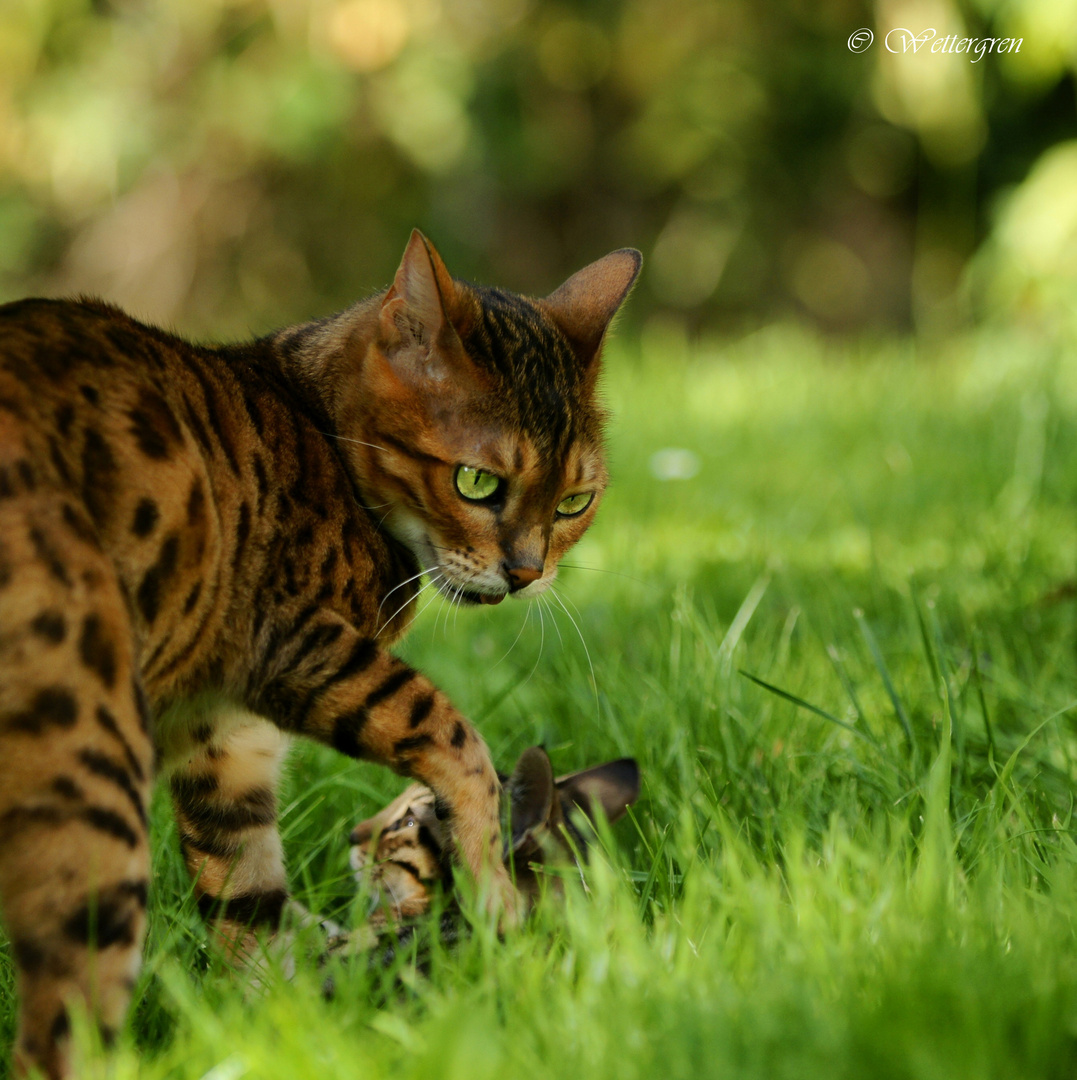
(206, 550)
(402, 853)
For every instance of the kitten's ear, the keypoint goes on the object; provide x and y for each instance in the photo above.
(613, 787)
(531, 790)
(585, 305)
(418, 310)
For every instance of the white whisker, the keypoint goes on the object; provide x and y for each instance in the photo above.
(587, 652)
(432, 597)
(523, 624)
(402, 606)
(358, 442)
(400, 586)
(600, 570)
(544, 600)
(542, 642)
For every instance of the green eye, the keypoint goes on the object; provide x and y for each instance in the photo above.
(476, 484)
(575, 504)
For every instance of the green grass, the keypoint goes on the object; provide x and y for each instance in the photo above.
(845, 655)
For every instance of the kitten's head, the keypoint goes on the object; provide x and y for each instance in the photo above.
(477, 432)
(402, 853)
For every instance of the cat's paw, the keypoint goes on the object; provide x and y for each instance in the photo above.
(503, 901)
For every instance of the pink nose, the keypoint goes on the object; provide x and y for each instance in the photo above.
(523, 575)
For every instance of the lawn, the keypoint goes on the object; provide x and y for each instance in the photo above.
(829, 605)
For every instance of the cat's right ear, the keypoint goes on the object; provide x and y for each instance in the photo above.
(584, 306)
(414, 306)
(415, 322)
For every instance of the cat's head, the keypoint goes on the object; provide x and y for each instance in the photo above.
(403, 852)
(475, 431)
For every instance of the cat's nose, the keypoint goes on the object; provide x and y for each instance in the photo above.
(522, 576)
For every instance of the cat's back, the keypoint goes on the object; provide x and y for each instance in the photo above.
(196, 470)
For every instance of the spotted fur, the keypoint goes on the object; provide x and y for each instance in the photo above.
(402, 854)
(204, 551)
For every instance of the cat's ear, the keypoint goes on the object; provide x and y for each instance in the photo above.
(531, 790)
(613, 787)
(584, 306)
(415, 321)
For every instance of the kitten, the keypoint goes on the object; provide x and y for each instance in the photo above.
(206, 550)
(402, 853)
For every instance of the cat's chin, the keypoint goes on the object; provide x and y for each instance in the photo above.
(467, 596)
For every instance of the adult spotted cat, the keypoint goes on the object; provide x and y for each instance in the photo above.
(204, 550)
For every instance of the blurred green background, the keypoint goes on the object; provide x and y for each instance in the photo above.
(225, 166)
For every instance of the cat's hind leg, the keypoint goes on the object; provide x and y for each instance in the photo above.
(225, 797)
(75, 764)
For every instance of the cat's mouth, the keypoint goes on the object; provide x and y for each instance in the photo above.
(482, 598)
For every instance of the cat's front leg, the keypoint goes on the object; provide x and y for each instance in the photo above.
(336, 686)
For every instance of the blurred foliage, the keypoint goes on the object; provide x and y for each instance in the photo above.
(228, 165)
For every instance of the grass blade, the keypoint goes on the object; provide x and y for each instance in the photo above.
(884, 672)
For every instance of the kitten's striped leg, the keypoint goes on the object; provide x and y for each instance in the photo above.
(226, 810)
(364, 702)
(75, 762)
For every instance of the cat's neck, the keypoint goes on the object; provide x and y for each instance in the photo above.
(316, 357)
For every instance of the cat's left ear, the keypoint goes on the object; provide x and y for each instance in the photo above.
(584, 306)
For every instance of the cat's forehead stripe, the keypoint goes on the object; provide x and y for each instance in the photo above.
(534, 363)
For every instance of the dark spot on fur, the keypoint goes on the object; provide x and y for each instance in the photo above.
(260, 477)
(26, 474)
(90, 394)
(390, 686)
(48, 554)
(52, 706)
(65, 787)
(192, 598)
(99, 476)
(141, 705)
(348, 731)
(108, 723)
(59, 462)
(30, 955)
(50, 625)
(154, 426)
(110, 823)
(65, 417)
(403, 747)
(61, 1026)
(420, 709)
(459, 735)
(243, 531)
(97, 649)
(105, 767)
(146, 517)
(362, 655)
(149, 591)
(108, 918)
(80, 525)
(248, 909)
